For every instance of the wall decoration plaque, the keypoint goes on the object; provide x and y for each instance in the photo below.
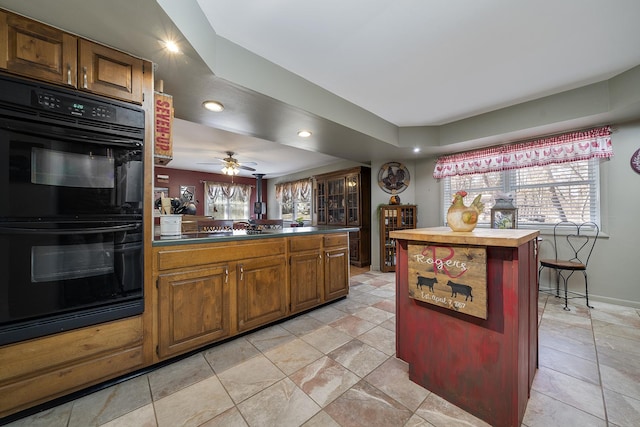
(635, 161)
(453, 277)
(393, 177)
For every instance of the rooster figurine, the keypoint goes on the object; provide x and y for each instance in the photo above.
(461, 217)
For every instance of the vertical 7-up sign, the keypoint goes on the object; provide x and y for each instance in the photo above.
(454, 277)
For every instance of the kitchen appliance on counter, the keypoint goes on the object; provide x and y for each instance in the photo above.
(71, 186)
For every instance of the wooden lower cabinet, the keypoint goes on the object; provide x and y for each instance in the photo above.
(39, 370)
(305, 272)
(262, 291)
(193, 308)
(336, 266)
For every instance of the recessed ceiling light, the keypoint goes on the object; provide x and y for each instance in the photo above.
(213, 106)
(171, 46)
(416, 150)
(304, 134)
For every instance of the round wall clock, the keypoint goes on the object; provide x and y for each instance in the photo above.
(635, 161)
(393, 177)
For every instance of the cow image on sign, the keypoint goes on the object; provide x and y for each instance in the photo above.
(453, 277)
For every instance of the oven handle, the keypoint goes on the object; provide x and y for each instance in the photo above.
(70, 231)
(76, 136)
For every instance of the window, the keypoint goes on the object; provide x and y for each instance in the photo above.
(227, 200)
(295, 200)
(543, 195)
(551, 179)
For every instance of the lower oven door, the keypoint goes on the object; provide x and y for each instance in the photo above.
(60, 276)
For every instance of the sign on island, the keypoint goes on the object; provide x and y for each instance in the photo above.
(453, 277)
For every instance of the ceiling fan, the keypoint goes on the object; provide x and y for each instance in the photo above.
(231, 166)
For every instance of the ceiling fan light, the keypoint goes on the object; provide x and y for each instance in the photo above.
(214, 106)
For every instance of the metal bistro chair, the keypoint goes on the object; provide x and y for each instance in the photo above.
(573, 244)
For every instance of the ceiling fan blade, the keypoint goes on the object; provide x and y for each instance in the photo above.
(246, 168)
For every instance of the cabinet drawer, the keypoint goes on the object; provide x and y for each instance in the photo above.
(336, 240)
(203, 254)
(297, 244)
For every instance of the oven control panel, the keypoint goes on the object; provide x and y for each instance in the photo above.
(74, 107)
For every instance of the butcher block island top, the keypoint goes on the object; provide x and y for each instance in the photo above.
(479, 237)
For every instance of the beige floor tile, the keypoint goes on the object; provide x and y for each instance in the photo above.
(193, 405)
(229, 354)
(365, 405)
(352, 325)
(327, 339)
(178, 375)
(620, 381)
(142, 417)
(569, 364)
(580, 394)
(392, 378)
(358, 357)
(302, 325)
(602, 328)
(248, 378)
(380, 338)
(270, 337)
(416, 421)
(57, 416)
(374, 315)
(622, 410)
(283, 405)
(441, 413)
(321, 419)
(324, 380)
(327, 314)
(387, 305)
(293, 355)
(545, 411)
(568, 340)
(113, 402)
(229, 418)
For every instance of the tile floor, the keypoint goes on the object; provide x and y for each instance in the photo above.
(335, 366)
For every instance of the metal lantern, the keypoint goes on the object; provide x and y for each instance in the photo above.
(504, 214)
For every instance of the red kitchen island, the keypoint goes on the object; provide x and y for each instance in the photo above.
(467, 314)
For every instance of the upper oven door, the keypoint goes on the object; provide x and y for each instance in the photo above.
(50, 171)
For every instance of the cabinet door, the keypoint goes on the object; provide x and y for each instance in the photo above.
(32, 49)
(322, 202)
(262, 291)
(353, 199)
(109, 72)
(306, 280)
(336, 273)
(335, 202)
(193, 309)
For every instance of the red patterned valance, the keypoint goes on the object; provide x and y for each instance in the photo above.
(568, 147)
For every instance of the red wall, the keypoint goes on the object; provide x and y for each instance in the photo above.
(178, 177)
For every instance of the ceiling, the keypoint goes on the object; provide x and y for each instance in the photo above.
(356, 73)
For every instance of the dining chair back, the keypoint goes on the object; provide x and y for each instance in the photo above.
(573, 245)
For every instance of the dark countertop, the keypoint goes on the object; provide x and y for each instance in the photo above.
(225, 236)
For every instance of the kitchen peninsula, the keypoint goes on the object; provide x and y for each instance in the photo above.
(467, 313)
(214, 285)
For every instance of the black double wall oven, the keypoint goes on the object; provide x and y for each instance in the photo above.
(71, 208)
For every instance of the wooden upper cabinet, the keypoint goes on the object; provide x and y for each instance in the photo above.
(32, 49)
(109, 72)
(35, 50)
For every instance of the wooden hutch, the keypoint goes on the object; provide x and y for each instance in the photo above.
(393, 217)
(343, 198)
